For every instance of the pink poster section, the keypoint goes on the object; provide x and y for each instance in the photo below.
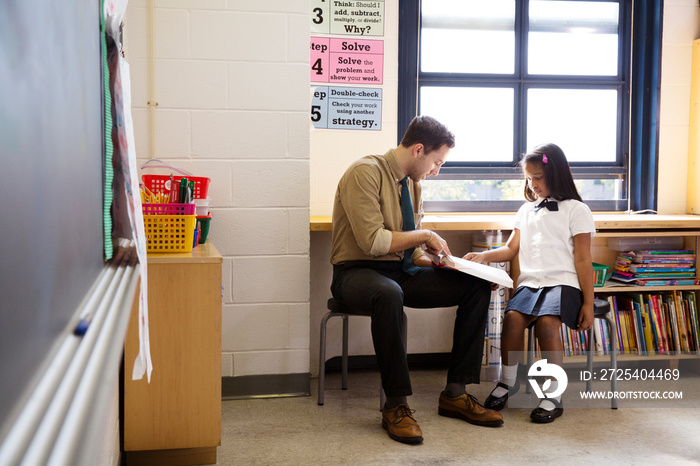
(347, 61)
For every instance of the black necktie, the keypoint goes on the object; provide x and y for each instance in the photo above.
(409, 224)
(549, 204)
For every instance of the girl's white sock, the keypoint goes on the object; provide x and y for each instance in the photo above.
(545, 403)
(509, 375)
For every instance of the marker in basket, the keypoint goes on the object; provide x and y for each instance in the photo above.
(183, 191)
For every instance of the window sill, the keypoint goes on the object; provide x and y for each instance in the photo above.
(504, 221)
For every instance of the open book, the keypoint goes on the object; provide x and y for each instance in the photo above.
(488, 273)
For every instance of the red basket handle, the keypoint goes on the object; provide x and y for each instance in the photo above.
(165, 165)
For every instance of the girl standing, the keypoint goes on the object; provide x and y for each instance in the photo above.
(552, 239)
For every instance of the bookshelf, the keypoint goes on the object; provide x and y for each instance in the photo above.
(603, 254)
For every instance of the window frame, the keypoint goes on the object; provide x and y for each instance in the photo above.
(411, 79)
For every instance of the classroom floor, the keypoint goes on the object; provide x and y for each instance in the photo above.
(347, 430)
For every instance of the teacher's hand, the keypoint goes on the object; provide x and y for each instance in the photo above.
(437, 245)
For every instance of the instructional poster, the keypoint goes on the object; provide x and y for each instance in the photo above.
(347, 61)
(346, 108)
(354, 61)
(349, 17)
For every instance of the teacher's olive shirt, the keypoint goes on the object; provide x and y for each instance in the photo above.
(367, 208)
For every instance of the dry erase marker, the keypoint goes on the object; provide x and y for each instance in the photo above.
(183, 190)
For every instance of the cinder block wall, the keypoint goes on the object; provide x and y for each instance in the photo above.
(231, 82)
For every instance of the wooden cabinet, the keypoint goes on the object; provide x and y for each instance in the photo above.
(603, 254)
(176, 418)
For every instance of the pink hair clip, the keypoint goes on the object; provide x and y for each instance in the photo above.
(544, 158)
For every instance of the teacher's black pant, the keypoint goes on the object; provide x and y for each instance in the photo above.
(384, 288)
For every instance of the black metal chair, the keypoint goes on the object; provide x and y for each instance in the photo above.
(338, 309)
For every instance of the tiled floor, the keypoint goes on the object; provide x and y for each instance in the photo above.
(347, 430)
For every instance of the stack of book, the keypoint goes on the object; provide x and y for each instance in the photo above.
(666, 322)
(660, 267)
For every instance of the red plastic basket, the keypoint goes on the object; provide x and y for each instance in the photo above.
(162, 184)
(168, 209)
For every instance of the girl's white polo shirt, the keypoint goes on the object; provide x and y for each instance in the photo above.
(547, 242)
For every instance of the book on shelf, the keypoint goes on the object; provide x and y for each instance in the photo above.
(649, 256)
(659, 275)
(672, 321)
(665, 268)
(693, 311)
(665, 282)
(655, 320)
(598, 332)
(625, 311)
(682, 321)
(613, 310)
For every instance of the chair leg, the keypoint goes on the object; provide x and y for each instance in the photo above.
(589, 356)
(345, 352)
(530, 353)
(322, 359)
(613, 357)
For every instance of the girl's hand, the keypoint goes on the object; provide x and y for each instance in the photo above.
(479, 257)
(585, 317)
(475, 257)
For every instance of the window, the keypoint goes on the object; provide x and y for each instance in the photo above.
(507, 75)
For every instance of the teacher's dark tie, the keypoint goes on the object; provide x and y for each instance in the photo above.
(409, 224)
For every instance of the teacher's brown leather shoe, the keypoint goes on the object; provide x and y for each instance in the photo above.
(467, 407)
(401, 425)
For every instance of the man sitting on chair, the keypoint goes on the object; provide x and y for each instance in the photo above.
(379, 264)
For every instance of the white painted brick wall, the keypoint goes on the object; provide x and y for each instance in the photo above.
(232, 83)
(190, 84)
(271, 279)
(257, 135)
(270, 362)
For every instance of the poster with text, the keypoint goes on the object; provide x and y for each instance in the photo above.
(354, 61)
(349, 17)
(346, 108)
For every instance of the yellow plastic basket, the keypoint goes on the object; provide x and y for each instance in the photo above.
(169, 233)
(600, 274)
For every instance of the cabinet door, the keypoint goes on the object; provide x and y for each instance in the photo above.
(181, 407)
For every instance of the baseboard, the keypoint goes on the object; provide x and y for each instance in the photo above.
(281, 385)
(265, 386)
